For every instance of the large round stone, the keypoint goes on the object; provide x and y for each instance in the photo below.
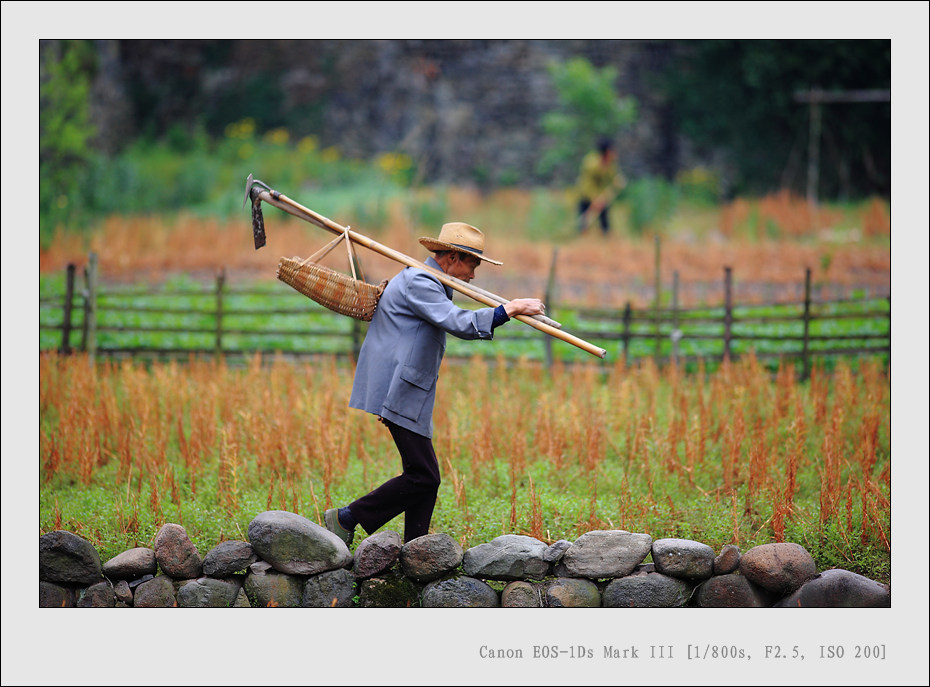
(571, 592)
(228, 558)
(430, 557)
(727, 561)
(521, 594)
(53, 595)
(176, 554)
(377, 553)
(779, 568)
(651, 590)
(274, 590)
(67, 558)
(731, 591)
(683, 558)
(131, 564)
(459, 592)
(392, 590)
(839, 589)
(508, 557)
(156, 593)
(606, 553)
(294, 545)
(208, 592)
(333, 589)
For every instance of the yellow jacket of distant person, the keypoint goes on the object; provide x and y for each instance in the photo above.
(596, 177)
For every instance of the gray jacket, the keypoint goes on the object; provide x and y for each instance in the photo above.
(398, 364)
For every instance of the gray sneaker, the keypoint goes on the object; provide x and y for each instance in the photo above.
(331, 519)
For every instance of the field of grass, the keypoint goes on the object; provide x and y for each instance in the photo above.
(733, 456)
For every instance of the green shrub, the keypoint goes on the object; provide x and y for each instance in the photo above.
(651, 200)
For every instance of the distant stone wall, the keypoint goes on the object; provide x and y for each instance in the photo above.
(290, 561)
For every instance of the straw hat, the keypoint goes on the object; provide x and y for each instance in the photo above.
(461, 237)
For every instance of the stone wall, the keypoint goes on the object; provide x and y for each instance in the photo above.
(290, 561)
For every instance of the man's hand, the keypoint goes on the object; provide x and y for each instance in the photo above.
(525, 306)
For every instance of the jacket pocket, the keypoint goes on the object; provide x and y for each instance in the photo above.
(410, 391)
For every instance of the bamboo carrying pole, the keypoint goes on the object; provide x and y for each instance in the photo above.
(292, 207)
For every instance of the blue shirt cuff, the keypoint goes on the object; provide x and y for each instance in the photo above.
(500, 317)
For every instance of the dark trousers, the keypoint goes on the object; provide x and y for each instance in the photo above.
(413, 492)
(583, 220)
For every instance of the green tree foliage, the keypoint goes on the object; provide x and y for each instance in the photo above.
(738, 96)
(589, 107)
(65, 128)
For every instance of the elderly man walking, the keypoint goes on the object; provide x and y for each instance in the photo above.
(396, 374)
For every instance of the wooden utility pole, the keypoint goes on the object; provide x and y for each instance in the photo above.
(815, 97)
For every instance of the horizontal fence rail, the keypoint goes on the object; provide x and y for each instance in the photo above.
(273, 320)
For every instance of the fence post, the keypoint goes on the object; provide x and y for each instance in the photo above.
(676, 333)
(805, 355)
(90, 308)
(69, 302)
(728, 311)
(547, 299)
(627, 316)
(220, 283)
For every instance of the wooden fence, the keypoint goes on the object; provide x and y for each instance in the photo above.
(231, 322)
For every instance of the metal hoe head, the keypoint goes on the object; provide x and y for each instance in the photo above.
(258, 221)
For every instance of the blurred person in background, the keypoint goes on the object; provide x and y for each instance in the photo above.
(599, 182)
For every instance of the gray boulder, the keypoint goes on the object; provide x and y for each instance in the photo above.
(131, 564)
(260, 567)
(66, 557)
(333, 589)
(572, 592)
(242, 599)
(727, 561)
(135, 583)
(521, 594)
(176, 554)
(606, 553)
(377, 553)
(779, 568)
(53, 595)
(208, 592)
(98, 595)
(274, 589)
(555, 552)
(647, 590)
(123, 592)
(731, 591)
(839, 589)
(228, 558)
(508, 557)
(683, 558)
(459, 592)
(294, 545)
(430, 557)
(155, 593)
(389, 591)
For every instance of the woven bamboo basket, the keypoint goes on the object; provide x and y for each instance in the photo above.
(337, 291)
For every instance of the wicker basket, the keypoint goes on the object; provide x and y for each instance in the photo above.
(337, 291)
